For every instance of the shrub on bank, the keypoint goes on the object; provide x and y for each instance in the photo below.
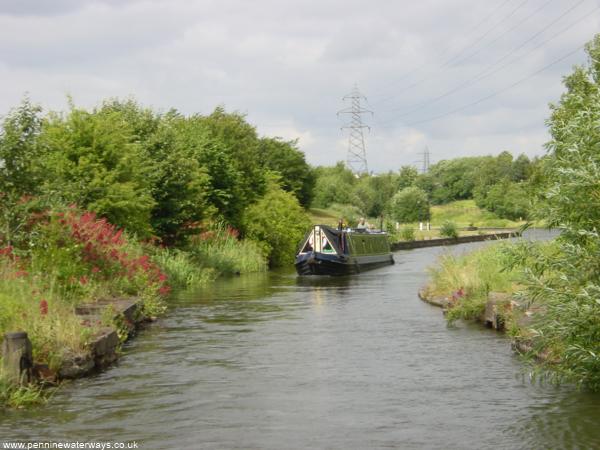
(219, 248)
(449, 230)
(182, 270)
(279, 223)
(468, 278)
(71, 257)
(407, 233)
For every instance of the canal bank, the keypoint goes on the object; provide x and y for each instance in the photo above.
(275, 361)
(440, 242)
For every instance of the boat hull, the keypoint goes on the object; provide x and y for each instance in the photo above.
(322, 264)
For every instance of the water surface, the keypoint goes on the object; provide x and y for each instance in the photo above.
(274, 361)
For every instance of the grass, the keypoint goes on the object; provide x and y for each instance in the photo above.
(334, 213)
(22, 396)
(465, 213)
(182, 271)
(322, 216)
(221, 250)
(468, 279)
(462, 213)
(50, 321)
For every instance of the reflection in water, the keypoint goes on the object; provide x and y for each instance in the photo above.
(275, 361)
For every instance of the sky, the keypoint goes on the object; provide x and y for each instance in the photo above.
(459, 77)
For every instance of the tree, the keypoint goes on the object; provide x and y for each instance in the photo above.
(333, 185)
(285, 158)
(410, 205)
(521, 168)
(455, 179)
(279, 222)
(407, 176)
(181, 186)
(238, 139)
(567, 282)
(20, 173)
(94, 159)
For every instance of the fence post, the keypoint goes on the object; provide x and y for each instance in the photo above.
(16, 357)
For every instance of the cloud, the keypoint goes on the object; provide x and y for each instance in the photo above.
(288, 64)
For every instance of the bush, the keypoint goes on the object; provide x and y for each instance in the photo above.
(71, 257)
(350, 213)
(410, 205)
(407, 234)
(449, 230)
(279, 223)
(182, 271)
(219, 248)
(468, 279)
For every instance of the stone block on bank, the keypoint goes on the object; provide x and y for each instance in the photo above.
(497, 305)
(17, 357)
(75, 366)
(104, 347)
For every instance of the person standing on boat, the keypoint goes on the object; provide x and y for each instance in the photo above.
(362, 225)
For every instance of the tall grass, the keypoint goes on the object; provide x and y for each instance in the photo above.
(219, 248)
(182, 271)
(468, 278)
(21, 396)
(48, 318)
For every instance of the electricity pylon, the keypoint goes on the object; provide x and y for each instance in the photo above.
(425, 161)
(357, 158)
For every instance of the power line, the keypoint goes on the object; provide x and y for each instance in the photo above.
(433, 74)
(486, 73)
(494, 94)
(448, 47)
(518, 24)
(513, 12)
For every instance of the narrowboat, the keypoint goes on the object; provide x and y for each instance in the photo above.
(331, 251)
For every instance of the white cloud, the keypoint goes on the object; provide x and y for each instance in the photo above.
(288, 64)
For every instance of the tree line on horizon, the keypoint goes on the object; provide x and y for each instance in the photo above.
(500, 184)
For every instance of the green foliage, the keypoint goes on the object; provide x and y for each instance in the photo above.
(466, 212)
(94, 159)
(21, 396)
(407, 177)
(19, 173)
(410, 205)
(453, 179)
(284, 158)
(468, 278)
(507, 199)
(219, 248)
(567, 284)
(498, 184)
(350, 214)
(181, 269)
(279, 223)
(240, 143)
(407, 233)
(333, 185)
(449, 230)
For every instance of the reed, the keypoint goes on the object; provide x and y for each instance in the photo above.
(220, 249)
(468, 278)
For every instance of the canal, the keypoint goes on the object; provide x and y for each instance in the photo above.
(274, 361)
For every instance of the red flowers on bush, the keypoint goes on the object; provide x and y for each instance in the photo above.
(104, 247)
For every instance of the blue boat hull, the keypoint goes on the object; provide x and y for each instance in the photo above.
(323, 264)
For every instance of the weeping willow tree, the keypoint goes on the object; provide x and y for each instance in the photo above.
(565, 282)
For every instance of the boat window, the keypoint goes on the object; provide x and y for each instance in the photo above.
(307, 248)
(327, 248)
